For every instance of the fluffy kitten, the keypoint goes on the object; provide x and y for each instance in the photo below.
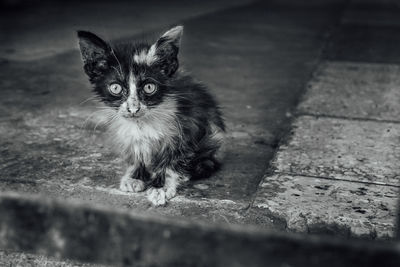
(165, 125)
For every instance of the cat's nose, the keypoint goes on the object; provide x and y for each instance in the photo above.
(133, 110)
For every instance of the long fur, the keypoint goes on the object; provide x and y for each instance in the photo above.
(180, 128)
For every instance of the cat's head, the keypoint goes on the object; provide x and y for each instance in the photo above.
(132, 78)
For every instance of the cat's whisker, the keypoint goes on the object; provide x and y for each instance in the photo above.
(119, 63)
(181, 94)
(157, 81)
(87, 119)
(95, 127)
(106, 122)
(102, 108)
(113, 119)
(99, 113)
(183, 97)
(118, 72)
(90, 99)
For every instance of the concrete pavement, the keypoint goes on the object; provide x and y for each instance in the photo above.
(337, 173)
(241, 53)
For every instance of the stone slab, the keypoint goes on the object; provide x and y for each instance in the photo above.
(180, 207)
(326, 206)
(358, 90)
(59, 155)
(362, 151)
(365, 43)
(63, 146)
(20, 259)
(92, 234)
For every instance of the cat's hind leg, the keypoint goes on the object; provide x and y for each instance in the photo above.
(160, 196)
(132, 180)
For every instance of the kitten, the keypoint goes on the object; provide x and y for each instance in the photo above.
(167, 127)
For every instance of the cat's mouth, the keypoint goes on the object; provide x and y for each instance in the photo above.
(132, 112)
(133, 116)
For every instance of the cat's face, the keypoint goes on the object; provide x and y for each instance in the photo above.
(133, 79)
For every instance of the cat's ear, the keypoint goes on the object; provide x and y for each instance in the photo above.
(166, 50)
(95, 53)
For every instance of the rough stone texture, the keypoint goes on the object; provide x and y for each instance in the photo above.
(361, 151)
(125, 239)
(358, 90)
(325, 206)
(47, 136)
(51, 146)
(15, 259)
(338, 173)
(196, 209)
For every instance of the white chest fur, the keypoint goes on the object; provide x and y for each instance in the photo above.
(138, 140)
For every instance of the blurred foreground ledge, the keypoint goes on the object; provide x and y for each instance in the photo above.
(78, 231)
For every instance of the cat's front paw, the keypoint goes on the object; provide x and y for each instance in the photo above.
(157, 196)
(170, 191)
(160, 196)
(131, 185)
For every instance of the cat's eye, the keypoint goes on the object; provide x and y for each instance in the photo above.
(149, 88)
(115, 89)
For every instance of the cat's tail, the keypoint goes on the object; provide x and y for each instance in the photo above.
(204, 167)
(209, 155)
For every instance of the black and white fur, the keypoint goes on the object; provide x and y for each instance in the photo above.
(167, 137)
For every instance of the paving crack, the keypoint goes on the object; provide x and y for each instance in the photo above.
(318, 115)
(334, 179)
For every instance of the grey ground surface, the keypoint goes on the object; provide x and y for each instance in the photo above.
(338, 171)
(241, 53)
(334, 157)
